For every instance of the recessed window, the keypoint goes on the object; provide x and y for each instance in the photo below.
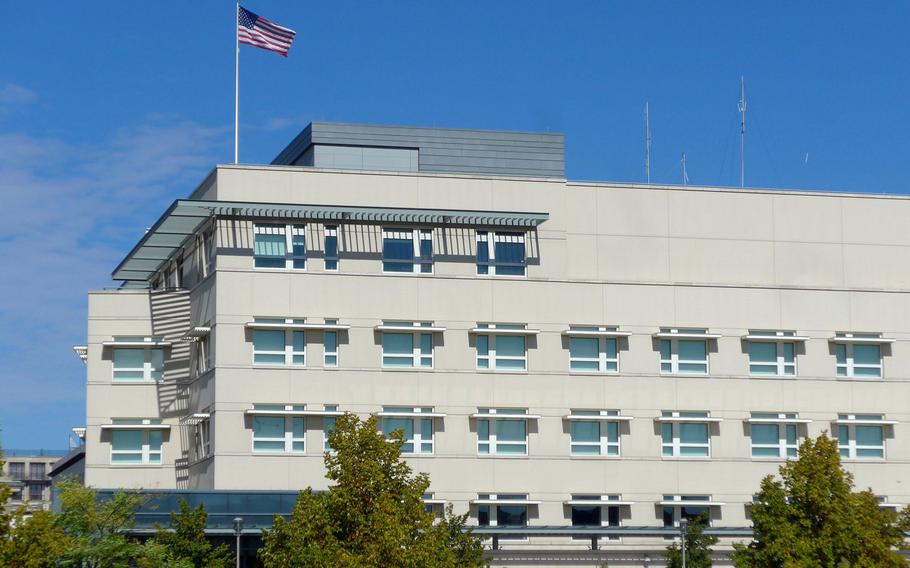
(494, 510)
(592, 433)
(137, 364)
(772, 353)
(683, 352)
(689, 507)
(502, 431)
(859, 355)
(330, 346)
(407, 250)
(405, 345)
(279, 346)
(202, 439)
(328, 424)
(597, 513)
(417, 432)
(685, 434)
(502, 347)
(135, 447)
(501, 253)
(278, 434)
(279, 246)
(331, 247)
(592, 354)
(860, 438)
(774, 435)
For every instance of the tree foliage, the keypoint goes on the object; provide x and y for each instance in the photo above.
(185, 543)
(373, 515)
(811, 517)
(698, 546)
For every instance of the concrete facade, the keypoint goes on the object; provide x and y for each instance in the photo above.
(634, 257)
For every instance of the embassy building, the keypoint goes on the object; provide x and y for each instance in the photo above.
(578, 365)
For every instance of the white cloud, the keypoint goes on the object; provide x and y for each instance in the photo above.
(70, 213)
(11, 94)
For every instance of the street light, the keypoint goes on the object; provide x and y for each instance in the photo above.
(238, 530)
(684, 530)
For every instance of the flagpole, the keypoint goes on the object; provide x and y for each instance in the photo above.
(236, 81)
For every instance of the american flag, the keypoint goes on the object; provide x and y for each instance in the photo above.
(256, 30)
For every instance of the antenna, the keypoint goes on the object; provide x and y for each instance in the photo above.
(742, 131)
(685, 172)
(648, 142)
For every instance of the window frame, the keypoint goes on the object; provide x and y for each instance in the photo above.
(145, 451)
(847, 369)
(292, 260)
(289, 352)
(678, 509)
(326, 353)
(609, 512)
(288, 439)
(487, 331)
(148, 369)
(420, 263)
(484, 266)
(418, 440)
(491, 418)
(202, 439)
(676, 445)
(331, 262)
(419, 353)
(327, 423)
(782, 340)
(852, 449)
(674, 362)
(603, 422)
(492, 511)
(784, 422)
(603, 360)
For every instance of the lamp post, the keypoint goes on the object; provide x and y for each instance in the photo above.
(684, 530)
(238, 530)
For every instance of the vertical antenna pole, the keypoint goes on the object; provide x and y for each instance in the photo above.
(685, 171)
(236, 82)
(648, 142)
(742, 131)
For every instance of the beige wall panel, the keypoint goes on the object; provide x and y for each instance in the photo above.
(631, 258)
(809, 264)
(876, 220)
(720, 215)
(875, 266)
(808, 218)
(817, 313)
(631, 211)
(581, 209)
(721, 261)
(720, 308)
(581, 256)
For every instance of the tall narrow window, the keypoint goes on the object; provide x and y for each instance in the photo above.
(331, 247)
(330, 345)
(501, 253)
(407, 250)
(328, 424)
(279, 346)
(407, 344)
(202, 439)
(279, 246)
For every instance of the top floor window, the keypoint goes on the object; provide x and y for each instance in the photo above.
(407, 250)
(331, 247)
(859, 355)
(501, 253)
(684, 351)
(279, 246)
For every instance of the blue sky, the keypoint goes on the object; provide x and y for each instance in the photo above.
(110, 110)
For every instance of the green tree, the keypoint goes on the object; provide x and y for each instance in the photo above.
(185, 543)
(698, 546)
(373, 515)
(96, 528)
(811, 518)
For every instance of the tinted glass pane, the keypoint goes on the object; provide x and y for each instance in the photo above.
(789, 353)
(765, 452)
(426, 344)
(511, 346)
(398, 255)
(664, 349)
(693, 433)
(268, 446)
(763, 369)
(510, 430)
(268, 359)
(610, 347)
(268, 340)
(511, 253)
(511, 448)
(512, 515)
(269, 245)
(585, 516)
(585, 431)
(483, 252)
(666, 433)
(584, 365)
(126, 458)
(765, 433)
(869, 453)
(763, 352)
(693, 368)
(126, 440)
(398, 344)
(866, 354)
(155, 440)
(584, 347)
(331, 247)
(869, 435)
(843, 435)
(297, 427)
(268, 426)
(867, 372)
(483, 344)
(510, 364)
(692, 350)
(129, 358)
(298, 340)
(389, 425)
(579, 450)
(613, 432)
(791, 433)
(689, 451)
(331, 341)
(840, 351)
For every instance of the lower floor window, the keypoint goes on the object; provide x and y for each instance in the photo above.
(861, 441)
(594, 438)
(136, 447)
(282, 434)
(675, 507)
(417, 432)
(501, 513)
(502, 436)
(597, 514)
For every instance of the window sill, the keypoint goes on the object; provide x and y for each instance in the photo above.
(279, 270)
(863, 460)
(503, 371)
(137, 465)
(407, 369)
(686, 458)
(282, 454)
(503, 456)
(132, 383)
(594, 458)
(593, 373)
(275, 366)
(394, 273)
(686, 375)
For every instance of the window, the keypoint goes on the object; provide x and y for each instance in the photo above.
(689, 507)
(685, 434)
(495, 511)
(599, 513)
(591, 433)
(279, 246)
(279, 346)
(208, 252)
(403, 348)
(860, 438)
(16, 470)
(774, 435)
(36, 471)
(685, 354)
(501, 253)
(592, 354)
(330, 346)
(278, 434)
(502, 431)
(407, 250)
(417, 432)
(35, 492)
(859, 355)
(502, 347)
(138, 364)
(331, 247)
(202, 440)
(328, 424)
(16, 494)
(134, 447)
(771, 353)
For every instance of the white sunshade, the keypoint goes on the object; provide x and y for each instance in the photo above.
(301, 326)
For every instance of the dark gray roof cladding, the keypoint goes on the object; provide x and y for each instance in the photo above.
(445, 150)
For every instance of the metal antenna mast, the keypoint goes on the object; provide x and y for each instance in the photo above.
(648, 142)
(742, 131)
(685, 172)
